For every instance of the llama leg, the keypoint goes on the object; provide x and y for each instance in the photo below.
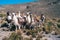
(9, 25)
(24, 27)
(16, 29)
(19, 27)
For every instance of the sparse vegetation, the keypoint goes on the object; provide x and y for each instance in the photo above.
(48, 26)
(2, 15)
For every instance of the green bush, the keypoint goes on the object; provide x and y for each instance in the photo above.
(50, 24)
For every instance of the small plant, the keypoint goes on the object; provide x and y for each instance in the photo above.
(48, 26)
(32, 32)
(34, 35)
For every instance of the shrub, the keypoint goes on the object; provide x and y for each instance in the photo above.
(15, 36)
(48, 26)
(32, 32)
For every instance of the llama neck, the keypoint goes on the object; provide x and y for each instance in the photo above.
(29, 18)
(19, 14)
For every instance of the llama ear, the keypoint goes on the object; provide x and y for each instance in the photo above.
(13, 13)
(28, 12)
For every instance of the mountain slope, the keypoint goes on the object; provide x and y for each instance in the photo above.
(50, 8)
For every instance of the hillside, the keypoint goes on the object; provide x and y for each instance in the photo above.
(50, 8)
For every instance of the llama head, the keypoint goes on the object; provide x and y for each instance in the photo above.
(13, 13)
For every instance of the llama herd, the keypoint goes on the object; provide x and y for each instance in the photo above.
(26, 20)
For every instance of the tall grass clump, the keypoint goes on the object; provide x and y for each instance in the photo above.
(48, 26)
(15, 36)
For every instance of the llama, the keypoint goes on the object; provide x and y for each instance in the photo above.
(42, 18)
(9, 19)
(22, 20)
(15, 21)
(29, 20)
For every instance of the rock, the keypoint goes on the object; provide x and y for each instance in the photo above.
(53, 32)
(58, 37)
(19, 32)
(34, 38)
(25, 36)
(44, 38)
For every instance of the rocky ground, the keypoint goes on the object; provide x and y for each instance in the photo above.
(4, 34)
